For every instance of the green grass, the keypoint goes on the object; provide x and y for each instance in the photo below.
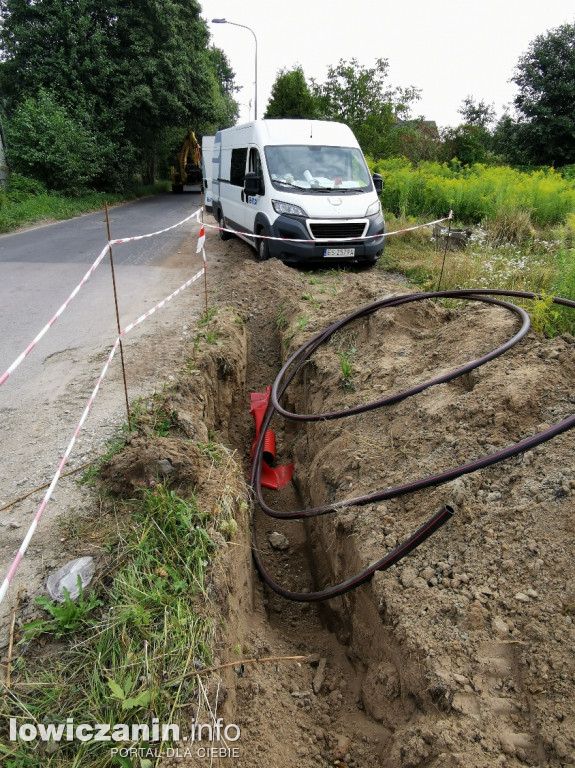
(149, 416)
(314, 302)
(207, 316)
(67, 616)
(93, 472)
(134, 643)
(20, 209)
(206, 334)
(211, 449)
(347, 372)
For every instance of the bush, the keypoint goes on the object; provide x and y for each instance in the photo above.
(46, 143)
(21, 188)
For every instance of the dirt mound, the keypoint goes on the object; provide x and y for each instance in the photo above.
(147, 460)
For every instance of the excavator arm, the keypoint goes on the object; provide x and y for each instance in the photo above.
(187, 170)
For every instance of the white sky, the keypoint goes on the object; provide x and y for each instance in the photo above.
(449, 48)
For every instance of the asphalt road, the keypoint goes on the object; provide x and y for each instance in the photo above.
(39, 268)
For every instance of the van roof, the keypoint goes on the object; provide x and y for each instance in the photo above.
(290, 131)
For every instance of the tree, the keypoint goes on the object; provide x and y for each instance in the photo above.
(125, 70)
(419, 140)
(360, 97)
(481, 114)
(508, 141)
(224, 112)
(291, 96)
(472, 140)
(545, 76)
(466, 143)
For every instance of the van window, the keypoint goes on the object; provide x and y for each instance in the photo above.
(238, 166)
(311, 167)
(255, 165)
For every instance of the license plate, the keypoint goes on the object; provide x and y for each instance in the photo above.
(339, 253)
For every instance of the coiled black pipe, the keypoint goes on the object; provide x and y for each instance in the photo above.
(302, 355)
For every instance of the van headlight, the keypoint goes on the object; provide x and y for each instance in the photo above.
(288, 208)
(374, 209)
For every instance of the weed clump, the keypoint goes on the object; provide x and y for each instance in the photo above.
(509, 226)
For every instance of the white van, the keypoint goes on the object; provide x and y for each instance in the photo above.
(305, 181)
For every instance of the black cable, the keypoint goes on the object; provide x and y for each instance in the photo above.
(303, 354)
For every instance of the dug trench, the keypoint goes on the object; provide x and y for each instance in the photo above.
(459, 655)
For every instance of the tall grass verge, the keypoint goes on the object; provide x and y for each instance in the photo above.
(18, 208)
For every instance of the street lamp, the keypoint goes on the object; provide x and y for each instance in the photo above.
(234, 24)
(249, 107)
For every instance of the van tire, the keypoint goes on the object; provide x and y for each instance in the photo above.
(371, 261)
(262, 247)
(222, 225)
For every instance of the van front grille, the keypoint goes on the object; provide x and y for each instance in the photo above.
(335, 229)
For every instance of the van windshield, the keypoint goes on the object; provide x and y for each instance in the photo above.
(318, 167)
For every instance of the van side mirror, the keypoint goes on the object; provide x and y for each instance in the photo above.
(378, 183)
(252, 184)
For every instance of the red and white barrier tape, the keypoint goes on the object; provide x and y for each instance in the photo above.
(201, 240)
(76, 290)
(31, 530)
(320, 240)
(46, 499)
(48, 325)
(162, 303)
(195, 215)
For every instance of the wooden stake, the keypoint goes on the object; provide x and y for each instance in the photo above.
(118, 319)
(444, 255)
(11, 639)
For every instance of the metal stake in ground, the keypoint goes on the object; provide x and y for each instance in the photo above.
(205, 280)
(444, 255)
(118, 319)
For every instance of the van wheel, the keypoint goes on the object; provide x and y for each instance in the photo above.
(262, 247)
(222, 225)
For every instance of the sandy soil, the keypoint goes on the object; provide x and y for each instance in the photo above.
(462, 654)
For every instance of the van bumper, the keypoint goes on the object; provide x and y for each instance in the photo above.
(293, 252)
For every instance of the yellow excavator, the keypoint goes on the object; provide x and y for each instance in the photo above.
(186, 173)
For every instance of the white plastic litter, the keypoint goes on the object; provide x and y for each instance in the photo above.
(66, 577)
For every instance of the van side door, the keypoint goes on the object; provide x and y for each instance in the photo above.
(233, 172)
(253, 203)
